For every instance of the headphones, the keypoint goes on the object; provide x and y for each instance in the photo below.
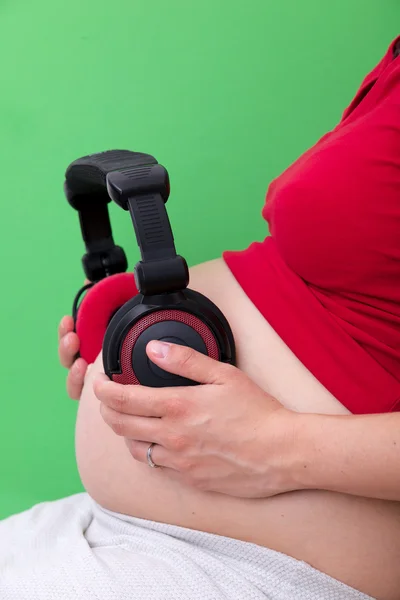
(121, 312)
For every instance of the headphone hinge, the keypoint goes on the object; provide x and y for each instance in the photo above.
(100, 264)
(161, 276)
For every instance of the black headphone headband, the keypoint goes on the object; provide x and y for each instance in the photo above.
(136, 182)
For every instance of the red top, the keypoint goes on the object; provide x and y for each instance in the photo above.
(327, 279)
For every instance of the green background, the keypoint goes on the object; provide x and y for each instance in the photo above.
(225, 94)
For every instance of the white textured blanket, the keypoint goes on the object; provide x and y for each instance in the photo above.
(74, 550)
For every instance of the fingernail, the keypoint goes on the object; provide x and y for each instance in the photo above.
(159, 349)
(76, 372)
(66, 341)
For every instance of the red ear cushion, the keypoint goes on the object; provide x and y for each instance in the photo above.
(97, 308)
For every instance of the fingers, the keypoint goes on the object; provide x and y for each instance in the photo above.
(68, 349)
(186, 362)
(66, 326)
(129, 426)
(160, 455)
(142, 401)
(76, 378)
(68, 342)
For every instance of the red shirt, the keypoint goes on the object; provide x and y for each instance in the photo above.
(327, 279)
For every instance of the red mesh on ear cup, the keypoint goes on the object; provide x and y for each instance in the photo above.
(96, 309)
(128, 376)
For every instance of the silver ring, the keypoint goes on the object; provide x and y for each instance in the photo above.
(150, 461)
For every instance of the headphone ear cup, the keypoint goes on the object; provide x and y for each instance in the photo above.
(97, 308)
(188, 319)
(129, 350)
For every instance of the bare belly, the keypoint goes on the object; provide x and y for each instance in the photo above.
(355, 540)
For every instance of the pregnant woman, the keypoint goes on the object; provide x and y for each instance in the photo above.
(315, 311)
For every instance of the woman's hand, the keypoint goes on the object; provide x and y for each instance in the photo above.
(68, 347)
(226, 436)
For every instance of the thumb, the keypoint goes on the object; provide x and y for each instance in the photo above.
(186, 362)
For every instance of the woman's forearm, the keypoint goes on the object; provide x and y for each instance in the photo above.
(357, 455)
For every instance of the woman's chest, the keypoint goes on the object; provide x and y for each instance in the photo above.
(335, 213)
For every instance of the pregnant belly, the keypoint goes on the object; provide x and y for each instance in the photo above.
(355, 540)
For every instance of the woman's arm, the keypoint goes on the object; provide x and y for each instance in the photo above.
(229, 436)
(356, 454)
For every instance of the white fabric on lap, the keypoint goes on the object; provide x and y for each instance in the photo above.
(72, 549)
